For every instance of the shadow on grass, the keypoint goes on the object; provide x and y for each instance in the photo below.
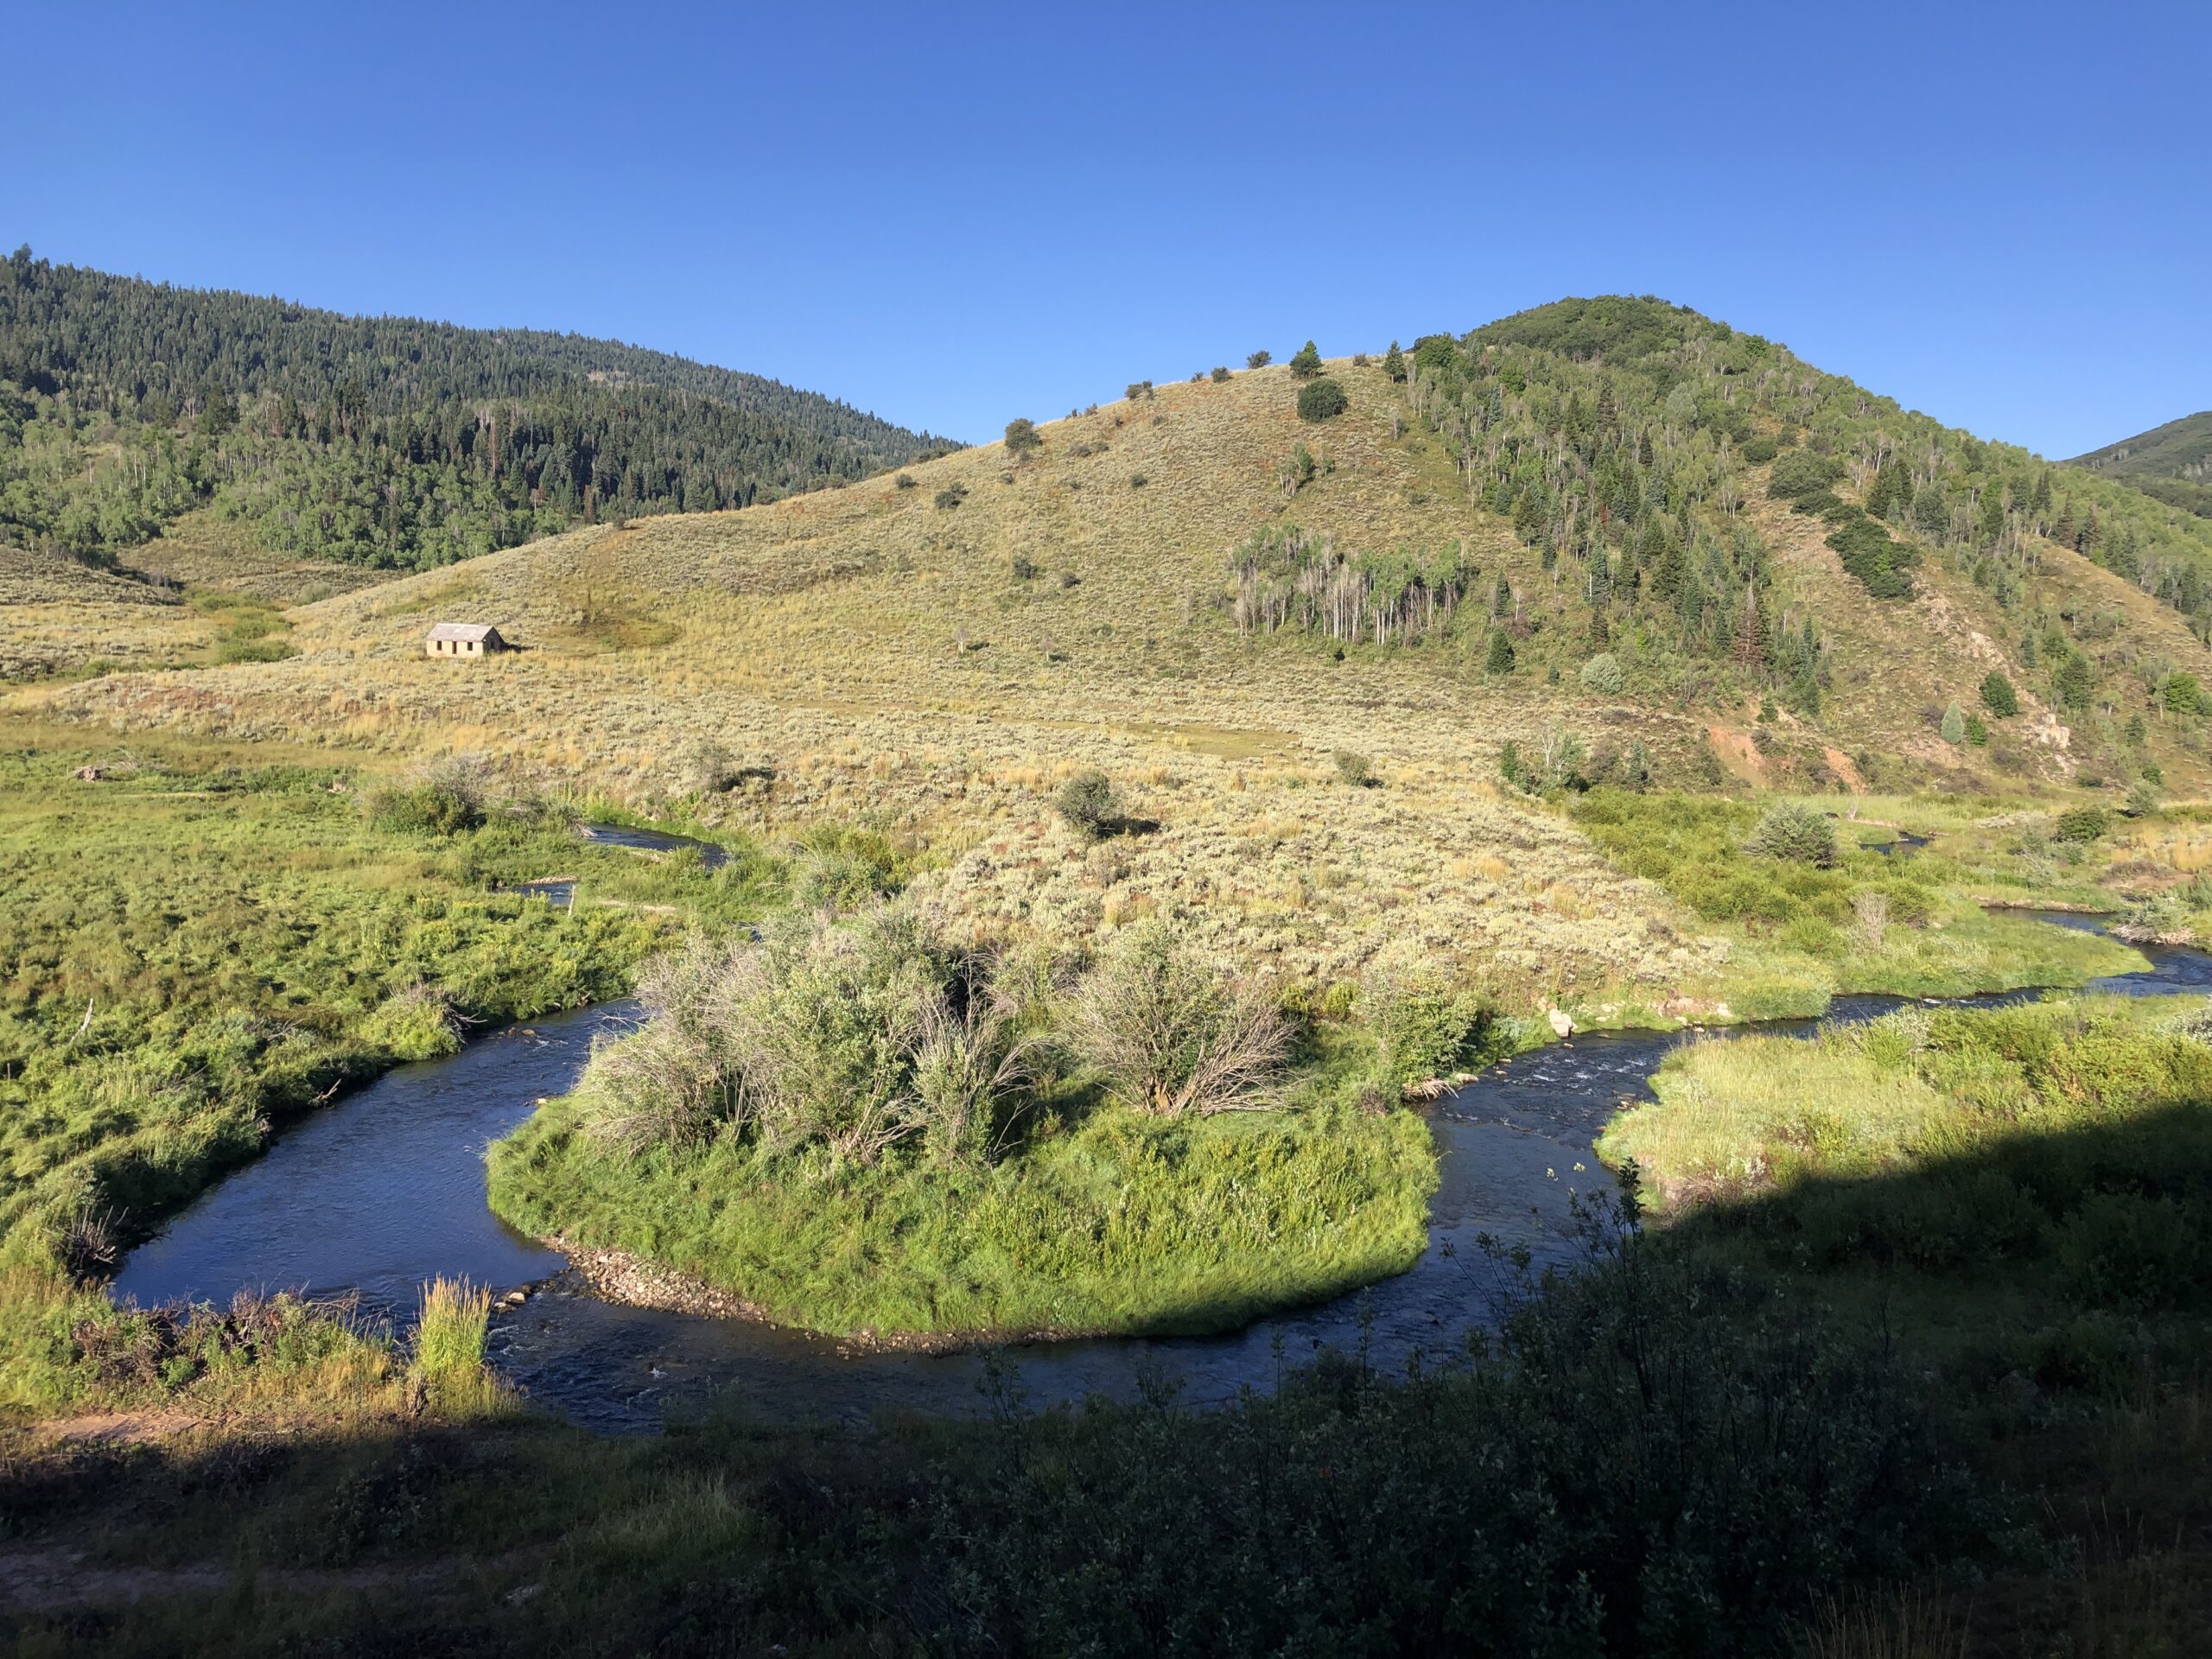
(1706, 1441)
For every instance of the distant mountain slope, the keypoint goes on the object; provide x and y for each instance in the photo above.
(380, 441)
(1606, 515)
(2173, 462)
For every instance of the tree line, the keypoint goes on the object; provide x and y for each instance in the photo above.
(381, 441)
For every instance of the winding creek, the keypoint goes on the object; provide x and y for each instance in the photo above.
(386, 1190)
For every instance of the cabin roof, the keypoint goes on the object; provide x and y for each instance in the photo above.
(463, 630)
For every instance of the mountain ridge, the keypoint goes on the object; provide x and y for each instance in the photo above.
(2172, 461)
(386, 440)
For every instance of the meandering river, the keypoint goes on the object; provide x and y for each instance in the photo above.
(386, 1190)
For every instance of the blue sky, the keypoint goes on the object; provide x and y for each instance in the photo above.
(953, 218)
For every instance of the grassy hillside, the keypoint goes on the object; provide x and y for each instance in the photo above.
(388, 442)
(870, 652)
(1208, 598)
(2173, 462)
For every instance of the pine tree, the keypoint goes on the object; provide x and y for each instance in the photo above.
(1892, 489)
(1999, 697)
(1954, 724)
(1499, 659)
(1751, 636)
(1393, 362)
(1991, 524)
(1307, 363)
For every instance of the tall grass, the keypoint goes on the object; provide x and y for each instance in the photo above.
(1909, 1625)
(449, 1338)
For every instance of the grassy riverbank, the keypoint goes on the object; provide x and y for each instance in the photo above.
(1119, 1222)
(2020, 1199)
(1846, 917)
(202, 940)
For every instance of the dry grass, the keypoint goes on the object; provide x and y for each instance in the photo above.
(868, 655)
(879, 655)
(203, 550)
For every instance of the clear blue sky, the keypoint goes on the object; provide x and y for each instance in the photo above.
(1997, 215)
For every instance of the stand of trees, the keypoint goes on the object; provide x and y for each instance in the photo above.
(379, 441)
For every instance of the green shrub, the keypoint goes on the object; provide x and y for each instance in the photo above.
(2073, 680)
(950, 496)
(1307, 363)
(1602, 674)
(1023, 439)
(1425, 1025)
(1869, 553)
(1796, 834)
(1647, 1460)
(1089, 804)
(442, 797)
(1220, 374)
(2181, 694)
(850, 1034)
(1320, 400)
(1801, 473)
(1952, 727)
(1354, 768)
(2124, 1250)
(1999, 697)
(843, 868)
(1259, 359)
(2080, 823)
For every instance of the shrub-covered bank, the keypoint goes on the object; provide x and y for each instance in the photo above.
(861, 1130)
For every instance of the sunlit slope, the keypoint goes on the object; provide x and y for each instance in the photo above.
(1090, 582)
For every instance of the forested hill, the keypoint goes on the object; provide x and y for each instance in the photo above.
(2173, 462)
(382, 441)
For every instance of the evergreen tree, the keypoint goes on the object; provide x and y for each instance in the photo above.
(1954, 724)
(1991, 523)
(1999, 697)
(1751, 633)
(1307, 362)
(1393, 362)
(1499, 658)
(1892, 489)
